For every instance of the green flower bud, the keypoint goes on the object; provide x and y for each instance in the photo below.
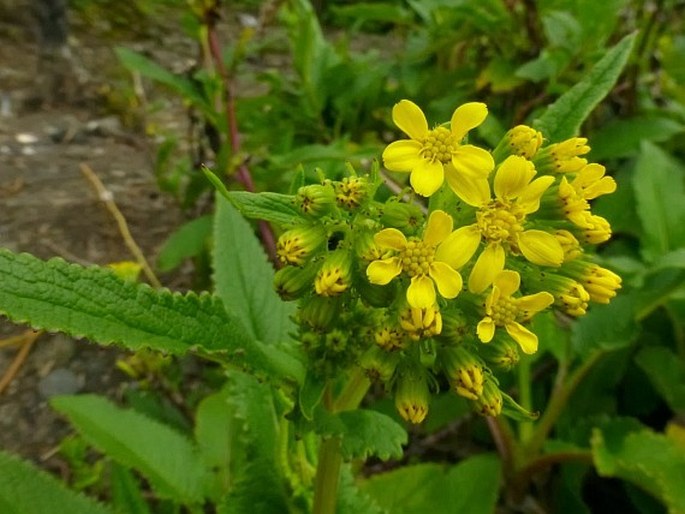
(520, 140)
(489, 403)
(464, 370)
(412, 393)
(365, 246)
(292, 282)
(402, 216)
(334, 277)
(336, 341)
(298, 244)
(376, 295)
(501, 352)
(455, 326)
(319, 312)
(351, 192)
(315, 200)
(310, 341)
(390, 338)
(379, 364)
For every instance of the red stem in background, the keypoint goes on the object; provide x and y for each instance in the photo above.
(243, 173)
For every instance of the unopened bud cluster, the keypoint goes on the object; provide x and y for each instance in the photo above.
(419, 296)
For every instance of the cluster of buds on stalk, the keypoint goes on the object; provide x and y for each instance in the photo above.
(419, 296)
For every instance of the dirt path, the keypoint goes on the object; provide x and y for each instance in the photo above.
(47, 208)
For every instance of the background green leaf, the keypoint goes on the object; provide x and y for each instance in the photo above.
(188, 241)
(564, 117)
(25, 489)
(166, 458)
(660, 198)
(471, 486)
(243, 278)
(623, 449)
(666, 371)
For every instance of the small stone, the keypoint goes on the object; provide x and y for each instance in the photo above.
(60, 381)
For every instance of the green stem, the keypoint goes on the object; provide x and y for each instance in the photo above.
(525, 398)
(560, 397)
(327, 476)
(330, 459)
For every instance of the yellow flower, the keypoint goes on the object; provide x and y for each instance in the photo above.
(433, 155)
(417, 259)
(421, 323)
(520, 140)
(562, 157)
(588, 184)
(500, 224)
(600, 283)
(504, 310)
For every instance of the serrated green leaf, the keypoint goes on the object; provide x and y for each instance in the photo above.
(622, 137)
(660, 198)
(243, 278)
(666, 372)
(648, 459)
(364, 433)
(163, 456)
(187, 241)
(25, 489)
(471, 487)
(126, 495)
(564, 117)
(258, 486)
(351, 499)
(94, 303)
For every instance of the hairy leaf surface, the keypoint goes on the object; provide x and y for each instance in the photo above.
(25, 489)
(170, 461)
(564, 117)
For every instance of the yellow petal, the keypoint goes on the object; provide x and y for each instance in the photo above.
(473, 191)
(427, 177)
(524, 337)
(402, 155)
(541, 248)
(466, 117)
(421, 292)
(490, 262)
(486, 329)
(410, 119)
(529, 199)
(458, 248)
(390, 238)
(472, 161)
(508, 282)
(534, 303)
(383, 271)
(447, 279)
(438, 228)
(512, 176)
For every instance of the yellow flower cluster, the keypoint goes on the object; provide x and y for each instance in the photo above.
(514, 222)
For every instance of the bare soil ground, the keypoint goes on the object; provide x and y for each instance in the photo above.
(47, 208)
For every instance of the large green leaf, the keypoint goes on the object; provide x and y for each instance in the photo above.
(666, 372)
(564, 117)
(364, 433)
(623, 449)
(188, 241)
(166, 458)
(660, 198)
(471, 487)
(258, 484)
(243, 277)
(94, 303)
(25, 489)
(622, 137)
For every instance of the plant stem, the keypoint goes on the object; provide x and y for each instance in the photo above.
(525, 399)
(560, 397)
(330, 459)
(327, 476)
